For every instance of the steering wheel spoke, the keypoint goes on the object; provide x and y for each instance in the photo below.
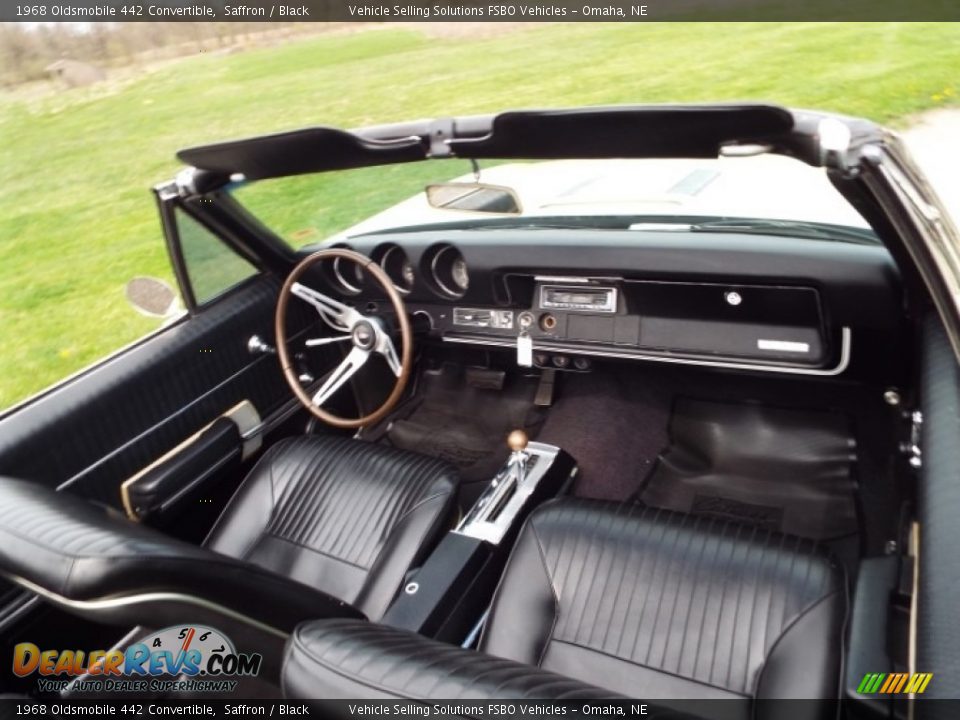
(385, 347)
(314, 342)
(337, 313)
(354, 360)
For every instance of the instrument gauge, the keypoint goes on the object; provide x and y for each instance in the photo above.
(449, 271)
(393, 260)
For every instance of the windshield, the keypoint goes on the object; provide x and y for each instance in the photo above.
(313, 208)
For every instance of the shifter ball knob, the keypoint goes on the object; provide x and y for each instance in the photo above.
(517, 440)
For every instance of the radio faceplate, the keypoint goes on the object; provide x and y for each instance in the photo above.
(578, 298)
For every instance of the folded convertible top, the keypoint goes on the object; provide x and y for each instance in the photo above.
(654, 131)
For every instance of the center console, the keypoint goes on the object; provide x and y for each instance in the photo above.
(449, 593)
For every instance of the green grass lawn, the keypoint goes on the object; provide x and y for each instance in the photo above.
(76, 219)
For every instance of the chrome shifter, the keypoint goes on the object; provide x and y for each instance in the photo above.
(503, 503)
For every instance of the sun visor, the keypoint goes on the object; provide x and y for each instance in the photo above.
(618, 132)
(298, 152)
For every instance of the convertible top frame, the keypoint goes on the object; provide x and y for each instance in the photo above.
(651, 131)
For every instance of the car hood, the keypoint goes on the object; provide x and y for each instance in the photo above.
(762, 186)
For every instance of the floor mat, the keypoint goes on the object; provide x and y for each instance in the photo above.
(788, 470)
(613, 425)
(468, 425)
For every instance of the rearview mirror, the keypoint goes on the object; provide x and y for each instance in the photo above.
(151, 296)
(473, 197)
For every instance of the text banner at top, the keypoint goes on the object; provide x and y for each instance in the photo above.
(472, 11)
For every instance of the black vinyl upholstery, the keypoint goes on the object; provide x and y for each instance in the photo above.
(321, 527)
(344, 516)
(357, 659)
(98, 563)
(615, 599)
(657, 604)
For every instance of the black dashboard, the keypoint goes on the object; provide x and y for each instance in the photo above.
(564, 298)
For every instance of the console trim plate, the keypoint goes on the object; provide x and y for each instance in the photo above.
(508, 501)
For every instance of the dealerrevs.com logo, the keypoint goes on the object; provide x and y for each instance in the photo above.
(187, 658)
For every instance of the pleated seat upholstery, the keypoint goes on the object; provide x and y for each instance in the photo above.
(343, 516)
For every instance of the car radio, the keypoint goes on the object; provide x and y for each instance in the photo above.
(586, 298)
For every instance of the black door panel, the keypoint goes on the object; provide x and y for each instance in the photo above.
(91, 434)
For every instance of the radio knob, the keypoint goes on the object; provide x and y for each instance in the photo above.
(547, 322)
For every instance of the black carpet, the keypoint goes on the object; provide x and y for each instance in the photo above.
(613, 425)
(468, 425)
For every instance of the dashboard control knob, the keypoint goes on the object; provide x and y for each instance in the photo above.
(525, 320)
(257, 346)
(561, 361)
(547, 322)
(581, 363)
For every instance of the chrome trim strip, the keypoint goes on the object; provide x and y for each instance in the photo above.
(278, 417)
(93, 606)
(840, 367)
(18, 607)
(578, 279)
(783, 345)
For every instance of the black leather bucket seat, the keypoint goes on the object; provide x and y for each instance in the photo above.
(606, 599)
(321, 527)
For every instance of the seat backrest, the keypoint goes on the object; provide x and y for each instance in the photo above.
(93, 562)
(347, 516)
(658, 604)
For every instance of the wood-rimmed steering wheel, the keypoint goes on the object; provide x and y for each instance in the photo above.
(367, 335)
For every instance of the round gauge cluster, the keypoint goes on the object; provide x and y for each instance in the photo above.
(344, 275)
(442, 267)
(393, 260)
(448, 270)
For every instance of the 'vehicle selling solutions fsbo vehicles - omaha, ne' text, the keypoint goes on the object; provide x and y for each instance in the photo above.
(653, 402)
